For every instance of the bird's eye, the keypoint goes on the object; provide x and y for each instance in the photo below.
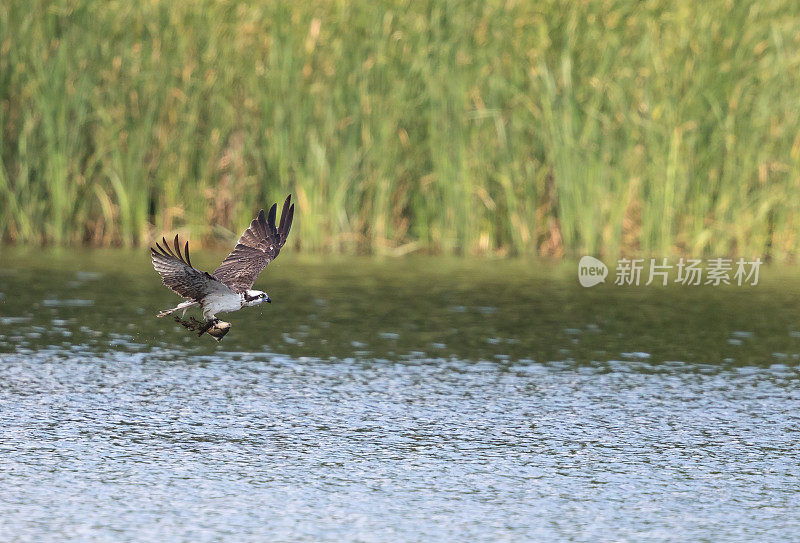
(262, 295)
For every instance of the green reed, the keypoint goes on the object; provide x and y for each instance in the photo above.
(608, 127)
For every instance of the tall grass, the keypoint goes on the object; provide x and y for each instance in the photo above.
(551, 127)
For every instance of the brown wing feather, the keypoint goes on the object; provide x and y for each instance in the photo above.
(258, 246)
(179, 275)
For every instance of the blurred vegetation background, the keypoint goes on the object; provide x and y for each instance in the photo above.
(497, 127)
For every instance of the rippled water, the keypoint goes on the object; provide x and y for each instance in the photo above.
(397, 400)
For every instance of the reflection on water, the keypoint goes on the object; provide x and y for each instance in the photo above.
(396, 400)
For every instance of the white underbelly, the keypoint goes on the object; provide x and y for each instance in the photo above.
(221, 304)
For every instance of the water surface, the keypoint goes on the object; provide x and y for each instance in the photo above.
(396, 400)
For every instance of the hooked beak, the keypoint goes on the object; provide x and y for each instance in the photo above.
(269, 301)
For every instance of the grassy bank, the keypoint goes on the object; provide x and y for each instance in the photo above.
(511, 127)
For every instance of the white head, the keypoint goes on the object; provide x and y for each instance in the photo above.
(255, 297)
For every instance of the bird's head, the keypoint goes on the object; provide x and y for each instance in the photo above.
(255, 297)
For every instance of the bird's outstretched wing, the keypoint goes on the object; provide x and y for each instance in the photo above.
(178, 274)
(258, 246)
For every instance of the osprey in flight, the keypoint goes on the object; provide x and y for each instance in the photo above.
(229, 287)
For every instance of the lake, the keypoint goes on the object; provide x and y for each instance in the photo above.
(415, 399)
